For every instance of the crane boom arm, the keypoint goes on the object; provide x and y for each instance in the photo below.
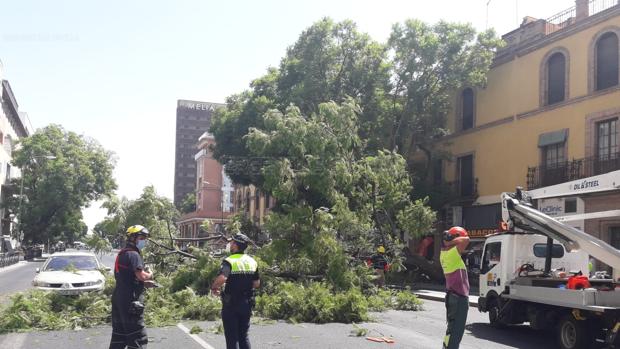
(522, 215)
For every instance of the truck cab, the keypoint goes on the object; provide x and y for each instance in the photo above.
(509, 255)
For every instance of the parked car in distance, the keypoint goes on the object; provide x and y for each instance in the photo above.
(71, 273)
(60, 246)
(78, 245)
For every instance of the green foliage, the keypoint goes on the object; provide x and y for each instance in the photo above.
(416, 218)
(98, 244)
(405, 300)
(429, 63)
(157, 213)
(195, 329)
(164, 307)
(312, 303)
(188, 204)
(51, 311)
(404, 87)
(359, 331)
(184, 296)
(313, 134)
(62, 173)
(329, 62)
(198, 275)
(381, 300)
(332, 202)
(318, 303)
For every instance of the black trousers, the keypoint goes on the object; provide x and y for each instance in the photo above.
(128, 329)
(456, 316)
(236, 321)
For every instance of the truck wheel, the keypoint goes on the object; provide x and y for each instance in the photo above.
(573, 334)
(493, 309)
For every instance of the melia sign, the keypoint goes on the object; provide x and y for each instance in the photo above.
(194, 105)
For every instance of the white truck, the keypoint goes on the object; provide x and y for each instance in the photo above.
(526, 275)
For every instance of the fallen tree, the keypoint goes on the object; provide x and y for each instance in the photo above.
(184, 295)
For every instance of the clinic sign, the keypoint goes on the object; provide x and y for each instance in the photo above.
(552, 207)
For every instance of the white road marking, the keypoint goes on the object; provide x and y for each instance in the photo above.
(197, 339)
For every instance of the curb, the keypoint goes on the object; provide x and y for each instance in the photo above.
(13, 266)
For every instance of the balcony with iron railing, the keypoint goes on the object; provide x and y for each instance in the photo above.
(570, 16)
(532, 29)
(546, 175)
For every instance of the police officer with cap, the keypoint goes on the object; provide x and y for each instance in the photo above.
(128, 329)
(239, 272)
(454, 244)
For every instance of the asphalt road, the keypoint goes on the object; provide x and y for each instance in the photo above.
(422, 329)
(18, 277)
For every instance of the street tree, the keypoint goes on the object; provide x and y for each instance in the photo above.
(98, 243)
(342, 134)
(404, 88)
(157, 213)
(188, 204)
(429, 63)
(62, 173)
(332, 200)
(329, 62)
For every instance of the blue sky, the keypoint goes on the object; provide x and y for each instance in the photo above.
(113, 70)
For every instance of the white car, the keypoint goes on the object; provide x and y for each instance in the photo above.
(70, 273)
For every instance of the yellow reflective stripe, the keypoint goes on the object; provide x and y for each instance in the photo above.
(617, 327)
(446, 340)
(241, 263)
(451, 260)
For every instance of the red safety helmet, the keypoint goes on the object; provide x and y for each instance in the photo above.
(455, 232)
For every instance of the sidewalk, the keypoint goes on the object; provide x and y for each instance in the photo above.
(436, 292)
(13, 266)
(441, 296)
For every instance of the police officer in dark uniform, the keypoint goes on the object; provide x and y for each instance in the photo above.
(240, 273)
(128, 329)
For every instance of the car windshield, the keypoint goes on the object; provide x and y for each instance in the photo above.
(72, 262)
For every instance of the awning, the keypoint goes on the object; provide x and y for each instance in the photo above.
(554, 137)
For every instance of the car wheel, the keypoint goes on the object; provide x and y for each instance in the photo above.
(572, 333)
(493, 309)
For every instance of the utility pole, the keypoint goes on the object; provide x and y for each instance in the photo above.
(516, 13)
(487, 20)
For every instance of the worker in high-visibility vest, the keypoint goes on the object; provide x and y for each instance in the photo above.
(454, 244)
(380, 264)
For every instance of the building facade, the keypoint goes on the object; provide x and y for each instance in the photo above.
(192, 120)
(14, 125)
(214, 193)
(253, 203)
(548, 115)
